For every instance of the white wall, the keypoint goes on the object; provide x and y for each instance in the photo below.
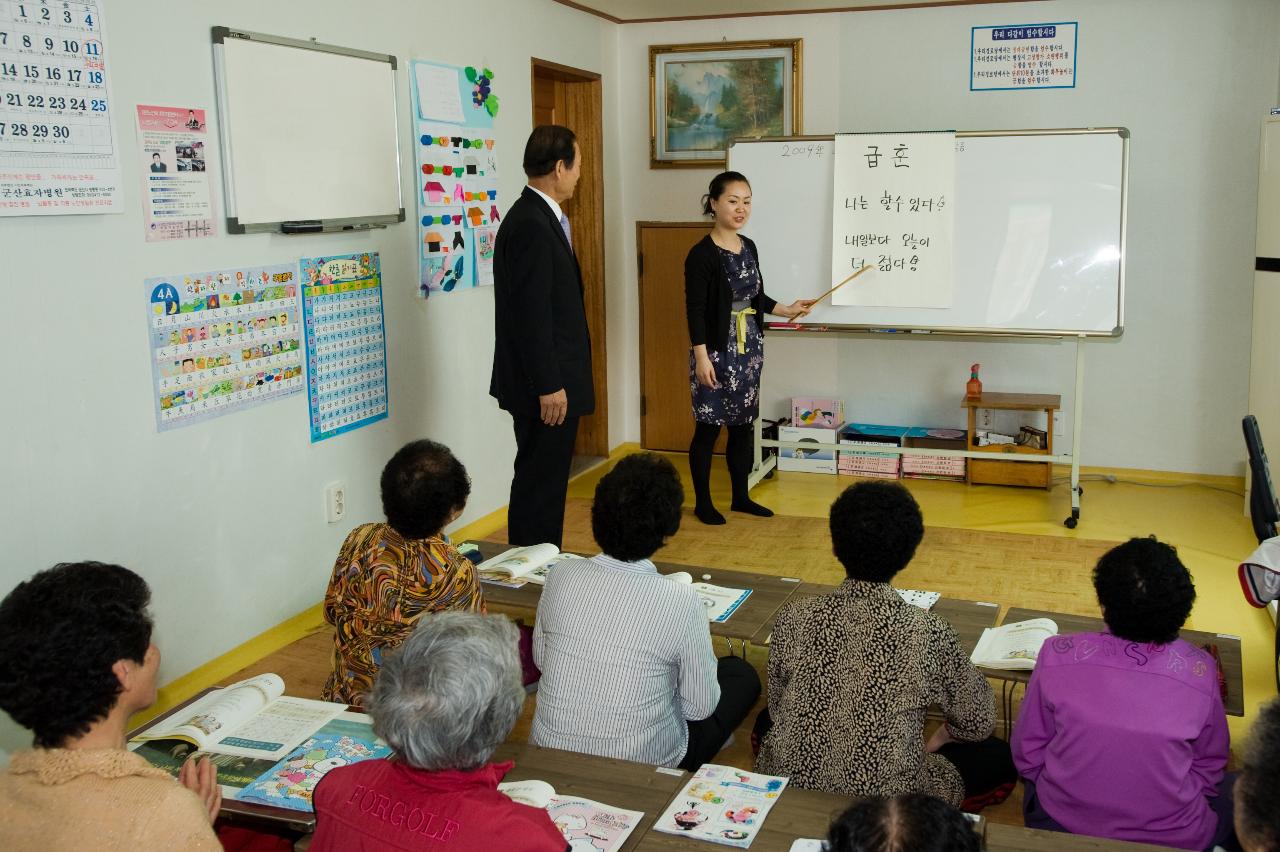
(225, 519)
(1191, 80)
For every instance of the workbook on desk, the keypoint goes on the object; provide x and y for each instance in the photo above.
(252, 718)
(519, 565)
(722, 804)
(720, 602)
(586, 825)
(1013, 646)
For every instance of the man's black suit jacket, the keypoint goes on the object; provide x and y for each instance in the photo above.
(541, 340)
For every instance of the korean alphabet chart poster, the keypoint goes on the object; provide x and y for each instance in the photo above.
(58, 149)
(177, 199)
(223, 341)
(892, 210)
(346, 350)
(457, 175)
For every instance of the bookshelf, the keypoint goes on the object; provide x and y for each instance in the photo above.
(983, 471)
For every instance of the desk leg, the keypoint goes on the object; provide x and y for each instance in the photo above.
(1076, 424)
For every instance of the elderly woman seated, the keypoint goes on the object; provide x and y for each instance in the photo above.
(911, 822)
(389, 575)
(443, 702)
(76, 661)
(1122, 732)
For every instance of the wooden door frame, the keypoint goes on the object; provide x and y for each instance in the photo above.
(640, 227)
(584, 92)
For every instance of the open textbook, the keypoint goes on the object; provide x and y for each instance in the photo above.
(521, 565)
(587, 826)
(1013, 646)
(720, 602)
(722, 804)
(285, 783)
(252, 718)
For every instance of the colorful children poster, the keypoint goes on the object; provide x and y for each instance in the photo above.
(457, 172)
(291, 782)
(485, 241)
(223, 341)
(346, 347)
(177, 198)
(57, 135)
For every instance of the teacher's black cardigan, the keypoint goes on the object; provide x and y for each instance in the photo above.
(708, 298)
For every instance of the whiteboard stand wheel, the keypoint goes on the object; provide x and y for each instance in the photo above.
(1070, 523)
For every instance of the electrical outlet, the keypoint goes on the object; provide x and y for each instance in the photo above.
(986, 419)
(335, 502)
(1057, 423)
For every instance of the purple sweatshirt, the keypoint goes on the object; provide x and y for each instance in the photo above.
(1124, 740)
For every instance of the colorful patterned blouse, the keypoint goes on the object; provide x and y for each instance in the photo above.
(382, 584)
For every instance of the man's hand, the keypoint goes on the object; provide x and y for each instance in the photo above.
(201, 778)
(554, 407)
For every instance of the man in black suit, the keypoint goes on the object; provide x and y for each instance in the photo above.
(542, 347)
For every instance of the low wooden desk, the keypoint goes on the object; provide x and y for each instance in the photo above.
(1015, 838)
(1228, 650)
(768, 593)
(967, 618)
(620, 783)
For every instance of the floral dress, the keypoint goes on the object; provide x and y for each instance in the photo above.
(737, 400)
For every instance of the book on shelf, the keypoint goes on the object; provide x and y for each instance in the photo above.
(1014, 646)
(720, 602)
(252, 718)
(585, 824)
(722, 804)
(519, 565)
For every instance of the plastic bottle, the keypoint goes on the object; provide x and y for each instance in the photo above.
(973, 388)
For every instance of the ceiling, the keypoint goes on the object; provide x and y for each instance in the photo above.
(636, 11)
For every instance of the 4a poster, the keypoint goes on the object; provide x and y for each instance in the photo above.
(223, 341)
(345, 342)
(177, 198)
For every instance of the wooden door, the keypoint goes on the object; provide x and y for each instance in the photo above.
(572, 98)
(666, 415)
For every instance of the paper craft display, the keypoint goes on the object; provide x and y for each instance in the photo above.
(177, 200)
(457, 176)
(587, 826)
(892, 210)
(292, 782)
(722, 804)
(58, 151)
(223, 341)
(345, 342)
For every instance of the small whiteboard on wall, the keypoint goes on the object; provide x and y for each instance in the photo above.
(310, 140)
(1038, 233)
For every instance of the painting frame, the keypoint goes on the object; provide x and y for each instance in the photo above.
(667, 64)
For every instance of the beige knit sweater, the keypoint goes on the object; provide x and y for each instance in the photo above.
(100, 799)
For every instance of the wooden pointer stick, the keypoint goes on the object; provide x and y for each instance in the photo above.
(841, 284)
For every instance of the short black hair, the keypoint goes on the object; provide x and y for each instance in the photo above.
(717, 187)
(875, 529)
(548, 144)
(637, 507)
(1145, 591)
(61, 632)
(912, 822)
(422, 486)
(1258, 788)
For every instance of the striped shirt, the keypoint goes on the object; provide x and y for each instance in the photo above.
(626, 658)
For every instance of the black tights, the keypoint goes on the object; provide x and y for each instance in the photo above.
(737, 458)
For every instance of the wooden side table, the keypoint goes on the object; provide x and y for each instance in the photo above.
(994, 472)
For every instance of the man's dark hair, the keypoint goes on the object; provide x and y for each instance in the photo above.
(548, 144)
(875, 529)
(1145, 592)
(61, 632)
(422, 486)
(637, 507)
(1258, 787)
(912, 822)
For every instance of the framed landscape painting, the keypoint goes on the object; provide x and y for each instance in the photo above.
(701, 96)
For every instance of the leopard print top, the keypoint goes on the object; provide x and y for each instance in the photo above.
(851, 676)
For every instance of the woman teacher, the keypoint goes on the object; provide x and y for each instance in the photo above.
(725, 302)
